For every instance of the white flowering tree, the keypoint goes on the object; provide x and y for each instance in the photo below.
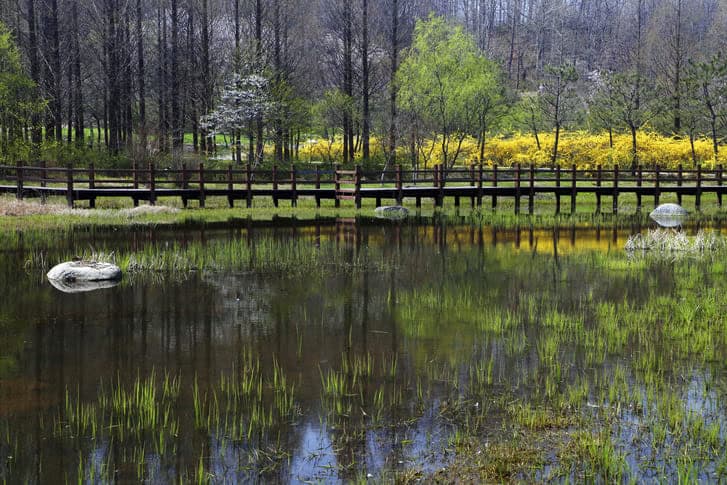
(245, 100)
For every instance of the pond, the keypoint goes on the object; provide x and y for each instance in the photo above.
(354, 349)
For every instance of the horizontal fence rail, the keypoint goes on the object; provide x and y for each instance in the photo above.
(476, 182)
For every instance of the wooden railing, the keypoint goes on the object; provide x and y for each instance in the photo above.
(474, 182)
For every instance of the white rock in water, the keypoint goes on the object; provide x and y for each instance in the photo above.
(669, 210)
(669, 215)
(84, 271)
(392, 212)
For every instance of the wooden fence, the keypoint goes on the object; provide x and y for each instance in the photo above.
(475, 182)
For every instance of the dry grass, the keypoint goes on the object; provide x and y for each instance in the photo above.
(10, 206)
(14, 207)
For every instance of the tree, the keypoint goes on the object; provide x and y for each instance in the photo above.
(710, 78)
(634, 103)
(442, 79)
(601, 103)
(244, 100)
(18, 102)
(557, 99)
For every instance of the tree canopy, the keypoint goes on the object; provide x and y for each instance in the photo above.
(17, 99)
(446, 81)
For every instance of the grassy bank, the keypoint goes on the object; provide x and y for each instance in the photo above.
(28, 215)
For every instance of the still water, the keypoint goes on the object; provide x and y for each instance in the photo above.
(350, 350)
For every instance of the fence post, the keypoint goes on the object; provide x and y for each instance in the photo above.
(557, 189)
(574, 191)
(494, 186)
(517, 188)
(69, 186)
(698, 201)
(337, 184)
(135, 175)
(201, 185)
(357, 185)
(43, 178)
(230, 187)
(442, 183)
(719, 184)
(479, 185)
(399, 184)
(599, 176)
(248, 185)
(473, 181)
(656, 186)
(318, 186)
(531, 191)
(294, 186)
(639, 179)
(152, 184)
(43, 173)
(184, 184)
(275, 185)
(92, 185)
(19, 180)
(615, 189)
(680, 178)
(442, 175)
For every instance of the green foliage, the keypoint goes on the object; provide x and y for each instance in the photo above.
(448, 83)
(17, 98)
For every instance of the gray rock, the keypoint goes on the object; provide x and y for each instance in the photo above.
(669, 215)
(392, 212)
(75, 271)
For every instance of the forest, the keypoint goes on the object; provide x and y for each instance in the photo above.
(375, 82)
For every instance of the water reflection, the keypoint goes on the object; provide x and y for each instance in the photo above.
(400, 339)
(82, 286)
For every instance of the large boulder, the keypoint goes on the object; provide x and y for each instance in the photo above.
(391, 212)
(669, 215)
(75, 271)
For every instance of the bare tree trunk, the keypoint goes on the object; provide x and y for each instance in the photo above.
(366, 128)
(71, 91)
(55, 63)
(177, 131)
(394, 60)
(513, 35)
(678, 70)
(162, 78)
(348, 146)
(260, 147)
(277, 64)
(112, 53)
(206, 81)
(78, 94)
(236, 11)
(36, 131)
(190, 98)
(141, 78)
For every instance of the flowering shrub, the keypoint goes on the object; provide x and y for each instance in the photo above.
(586, 150)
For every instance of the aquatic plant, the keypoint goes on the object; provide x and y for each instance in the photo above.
(671, 242)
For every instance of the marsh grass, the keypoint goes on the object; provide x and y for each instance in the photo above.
(674, 243)
(593, 367)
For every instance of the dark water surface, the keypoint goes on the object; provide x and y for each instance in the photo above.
(413, 339)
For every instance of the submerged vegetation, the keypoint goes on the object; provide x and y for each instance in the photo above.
(434, 354)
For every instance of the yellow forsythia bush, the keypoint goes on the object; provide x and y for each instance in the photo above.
(586, 150)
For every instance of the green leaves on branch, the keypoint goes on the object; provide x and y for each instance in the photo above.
(18, 100)
(448, 87)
